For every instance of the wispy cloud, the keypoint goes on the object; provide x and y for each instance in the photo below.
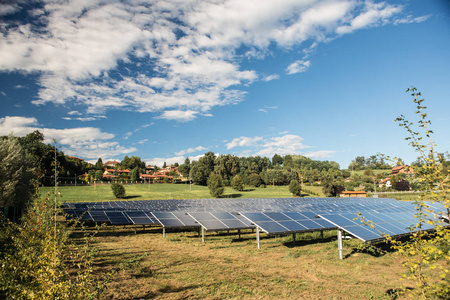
(271, 77)
(87, 142)
(191, 150)
(191, 48)
(282, 144)
(298, 66)
(244, 141)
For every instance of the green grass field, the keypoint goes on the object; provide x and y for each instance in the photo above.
(100, 192)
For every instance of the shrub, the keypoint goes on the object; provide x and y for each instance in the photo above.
(118, 190)
(295, 188)
(215, 185)
(237, 183)
(254, 180)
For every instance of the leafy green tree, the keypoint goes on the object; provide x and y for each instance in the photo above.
(201, 169)
(98, 175)
(277, 160)
(274, 176)
(185, 168)
(134, 174)
(16, 174)
(226, 166)
(99, 165)
(118, 190)
(295, 188)
(215, 185)
(237, 183)
(254, 180)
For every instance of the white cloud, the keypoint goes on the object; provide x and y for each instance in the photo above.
(74, 112)
(271, 77)
(179, 115)
(410, 19)
(158, 161)
(142, 142)
(190, 48)
(86, 142)
(191, 150)
(283, 144)
(374, 14)
(244, 141)
(320, 154)
(298, 66)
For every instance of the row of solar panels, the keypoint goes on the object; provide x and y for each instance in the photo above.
(389, 216)
(267, 204)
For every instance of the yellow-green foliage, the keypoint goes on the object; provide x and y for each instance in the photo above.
(36, 263)
(426, 255)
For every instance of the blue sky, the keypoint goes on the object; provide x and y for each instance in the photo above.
(165, 80)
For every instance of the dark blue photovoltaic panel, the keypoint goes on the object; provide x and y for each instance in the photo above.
(141, 218)
(99, 216)
(292, 225)
(185, 219)
(393, 224)
(117, 218)
(289, 214)
(215, 221)
(174, 219)
(286, 222)
(272, 227)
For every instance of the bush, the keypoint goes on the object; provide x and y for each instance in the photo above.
(237, 183)
(118, 190)
(254, 180)
(215, 185)
(295, 188)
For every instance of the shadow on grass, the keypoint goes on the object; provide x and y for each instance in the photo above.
(231, 196)
(301, 243)
(131, 197)
(378, 249)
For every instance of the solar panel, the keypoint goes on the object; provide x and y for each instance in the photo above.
(141, 218)
(117, 218)
(287, 222)
(99, 216)
(172, 219)
(216, 221)
(393, 224)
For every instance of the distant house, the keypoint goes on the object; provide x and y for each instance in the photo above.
(157, 177)
(358, 194)
(385, 183)
(405, 169)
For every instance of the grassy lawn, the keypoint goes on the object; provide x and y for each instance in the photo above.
(180, 266)
(100, 192)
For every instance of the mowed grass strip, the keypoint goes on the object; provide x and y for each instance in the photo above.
(99, 192)
(180, 266)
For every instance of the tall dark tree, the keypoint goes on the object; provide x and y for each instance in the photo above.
(215, 185)
(277, 160)
(99, 164)
(16, 174)
(226, 166)
(202, 168)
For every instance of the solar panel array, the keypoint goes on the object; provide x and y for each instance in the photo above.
(287, 222)
(215, 221)
(271, 215)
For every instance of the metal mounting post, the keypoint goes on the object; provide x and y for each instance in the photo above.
(203, 234)
(257, 237)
